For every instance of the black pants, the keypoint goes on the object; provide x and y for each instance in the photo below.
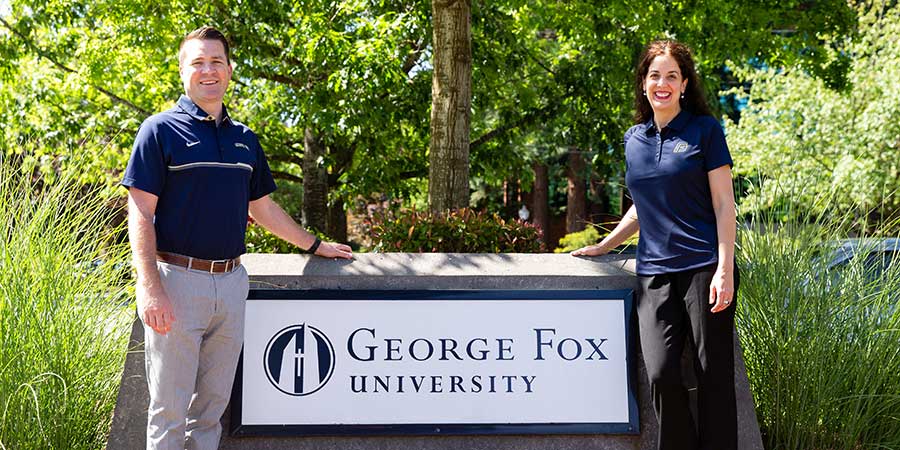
(672, 308)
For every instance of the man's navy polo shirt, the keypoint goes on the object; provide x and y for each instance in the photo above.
(666, 173)
(204, 175)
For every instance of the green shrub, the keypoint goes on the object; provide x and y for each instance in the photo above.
(259, 240)
(821, 346)
(65, 313)
(460, 231)
(589, 236)
(578, 239)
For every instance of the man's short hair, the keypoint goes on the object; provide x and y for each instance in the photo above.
(205, 33)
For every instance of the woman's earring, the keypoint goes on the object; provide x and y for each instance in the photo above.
(682, 95)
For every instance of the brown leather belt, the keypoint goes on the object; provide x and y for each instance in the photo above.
(206, 265)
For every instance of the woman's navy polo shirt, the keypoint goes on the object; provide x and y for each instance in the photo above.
(204, 175)
(666, 173)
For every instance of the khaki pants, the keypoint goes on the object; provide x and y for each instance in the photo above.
(190, 370)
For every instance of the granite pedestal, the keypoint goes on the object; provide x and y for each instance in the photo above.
(432, 271)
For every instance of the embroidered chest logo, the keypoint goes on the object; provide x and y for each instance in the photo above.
(243, 146)
(191, 144)
(681, 147)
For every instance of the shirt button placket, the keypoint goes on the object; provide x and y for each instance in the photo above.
(658, 147)
(219, 143)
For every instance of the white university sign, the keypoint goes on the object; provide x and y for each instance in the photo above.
(435, 362)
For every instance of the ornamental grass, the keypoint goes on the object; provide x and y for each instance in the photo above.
(64, 311)
(821, 342)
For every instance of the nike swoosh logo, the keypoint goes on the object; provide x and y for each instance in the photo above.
(191, 144)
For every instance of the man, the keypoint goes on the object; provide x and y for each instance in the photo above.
(193, 176)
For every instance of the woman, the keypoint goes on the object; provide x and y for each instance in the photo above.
(678, 170)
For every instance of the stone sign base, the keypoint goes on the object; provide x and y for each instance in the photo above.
(432, 271)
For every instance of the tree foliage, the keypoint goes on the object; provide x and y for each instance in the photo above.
(800, 140)
(93, 70)
(547, 76)
(550, 76)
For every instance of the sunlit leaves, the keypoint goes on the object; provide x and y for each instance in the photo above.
(547, 74)
(333, 66)
(801, 132)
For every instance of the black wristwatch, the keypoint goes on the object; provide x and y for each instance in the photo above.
(315, 246)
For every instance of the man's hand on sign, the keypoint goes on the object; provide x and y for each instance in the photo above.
(334, 250)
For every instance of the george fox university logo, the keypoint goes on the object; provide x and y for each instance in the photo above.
(299, 360)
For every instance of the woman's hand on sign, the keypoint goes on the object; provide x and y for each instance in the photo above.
(590, 250)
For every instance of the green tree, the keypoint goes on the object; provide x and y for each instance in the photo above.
(339, 73)
(554, 76)
(355, 77)
(800, 140)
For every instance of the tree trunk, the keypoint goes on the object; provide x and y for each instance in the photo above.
(337, 221)
(600, 208)
(511, 203)
(540, 209)
(341, 158)
(451, 99)
(315, 183)
(576, 205)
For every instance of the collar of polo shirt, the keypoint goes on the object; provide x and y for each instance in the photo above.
(188, 106)
(676, 124)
